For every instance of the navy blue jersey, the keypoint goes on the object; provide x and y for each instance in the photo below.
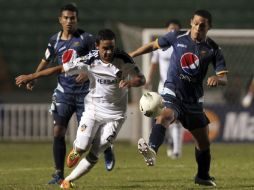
(61, 51)
(189, 64)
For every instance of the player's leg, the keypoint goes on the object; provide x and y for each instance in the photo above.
(176, 131)
(61, 115)
(202, 147)
(108, 153)
(86, 132)
(104, 137)
(167, 116)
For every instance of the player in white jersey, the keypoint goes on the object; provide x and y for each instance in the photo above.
(161, 58)
(111, 73)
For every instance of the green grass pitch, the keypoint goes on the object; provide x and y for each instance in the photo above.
(28, 166)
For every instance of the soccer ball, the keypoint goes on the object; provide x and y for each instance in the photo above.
(151, 104)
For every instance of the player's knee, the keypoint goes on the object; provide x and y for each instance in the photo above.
(166, 117)
(59, 131)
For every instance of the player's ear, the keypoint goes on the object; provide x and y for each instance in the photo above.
(191, 22)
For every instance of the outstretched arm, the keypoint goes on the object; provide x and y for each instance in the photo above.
(24, 79)
(145, 49)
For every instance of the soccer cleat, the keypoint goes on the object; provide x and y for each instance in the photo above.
(147, 152)
(57, 178)
(109, 158)
(72, 158)
(206, 182)
(66, 184)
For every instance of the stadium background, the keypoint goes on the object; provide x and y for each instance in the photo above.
(27, 26)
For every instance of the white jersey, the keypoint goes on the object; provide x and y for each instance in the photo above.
(162, 57)
(105, 95)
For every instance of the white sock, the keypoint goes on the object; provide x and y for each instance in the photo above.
(82, 168)
(177, 138)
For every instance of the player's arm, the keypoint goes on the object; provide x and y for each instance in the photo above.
(147, 48)
(42, 65)
(23, 79)
(218, 79)
(136, 78)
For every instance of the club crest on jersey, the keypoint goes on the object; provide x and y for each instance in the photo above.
(69, 56)
(189, 63)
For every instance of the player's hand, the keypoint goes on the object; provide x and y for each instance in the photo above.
(124, 84)
(213, 81)
(22, 79)
(82, 77)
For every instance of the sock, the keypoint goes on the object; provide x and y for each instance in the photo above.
(83, 167)
(177, 138)
(157, 136)
(59, 152)
(203, 159)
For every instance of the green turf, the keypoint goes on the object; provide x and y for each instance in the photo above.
(25, 166)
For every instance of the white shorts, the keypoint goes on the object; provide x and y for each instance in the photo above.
(97, 129)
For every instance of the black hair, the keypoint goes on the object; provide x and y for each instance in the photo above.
(173, 21)
(105, 34)
(206, 14)
(69, 7)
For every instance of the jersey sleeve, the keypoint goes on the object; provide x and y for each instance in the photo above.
(219, 63)
(155, 57)
(167, 40)
(49, 55)
(76, 66)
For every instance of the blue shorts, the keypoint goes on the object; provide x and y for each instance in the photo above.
(191, 115)
(64, 105)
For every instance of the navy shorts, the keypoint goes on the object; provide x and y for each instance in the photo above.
(191, 115)
(64, 105)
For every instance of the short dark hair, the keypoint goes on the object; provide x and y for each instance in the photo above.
(69, 7)
(173, 21)
(105, 34)
(206, 14)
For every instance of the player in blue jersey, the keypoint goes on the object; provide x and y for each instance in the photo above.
(161, 58)
(111, 73)
(68, 97)
(183, 89)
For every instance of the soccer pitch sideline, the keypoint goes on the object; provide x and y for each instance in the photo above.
(27, 166)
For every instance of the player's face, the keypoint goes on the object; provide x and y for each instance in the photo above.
(199, 28)
(69, 21)
(106, 50)
(173, 27)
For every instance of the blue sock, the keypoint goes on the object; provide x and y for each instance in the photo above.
(157, 136)
(203, 159)
(59, 152)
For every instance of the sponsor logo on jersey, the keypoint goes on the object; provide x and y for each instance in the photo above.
(107, 81)
(181, 45)
(76, 44)
(69, 56)
(190, 63)
(61, 49)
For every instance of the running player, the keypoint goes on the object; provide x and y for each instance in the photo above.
(161, 58)
(111, 72)
(68, 97)
(183, 89)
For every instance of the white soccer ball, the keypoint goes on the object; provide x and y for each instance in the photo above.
(151, 104)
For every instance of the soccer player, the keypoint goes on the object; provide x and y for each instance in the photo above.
(69, 94)
(161, 58)
(183, 89)
(111, 72)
